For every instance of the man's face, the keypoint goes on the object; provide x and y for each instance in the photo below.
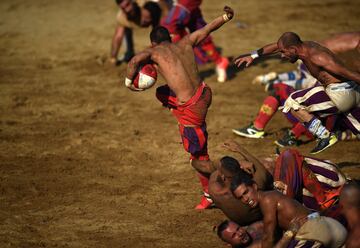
(126, 6)
(236, 235)
(288, 53)
(146, 19)
(247, 194)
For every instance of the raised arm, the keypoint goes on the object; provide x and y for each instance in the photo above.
(133, 65)
(260, 173)
(331, 65)
(199, 35)
(250, 57)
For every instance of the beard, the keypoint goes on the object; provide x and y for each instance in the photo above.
(244, 245)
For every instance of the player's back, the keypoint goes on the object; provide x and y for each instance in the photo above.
(177, 65)
(317, 52)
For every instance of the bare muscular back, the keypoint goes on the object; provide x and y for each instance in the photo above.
(176, 63)
(318, 55)
(343, 42)
(286, 209)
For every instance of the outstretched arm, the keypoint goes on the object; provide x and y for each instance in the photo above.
(116, 43)
(333, 66)
(250, 57)
(199, 35)
(133, 65)
(262, 176)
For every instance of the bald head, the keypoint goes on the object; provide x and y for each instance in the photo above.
(289, 39)
(350, 196)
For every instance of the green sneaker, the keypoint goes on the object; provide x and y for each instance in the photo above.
(249, 132)
(288, 140)
(324, 144)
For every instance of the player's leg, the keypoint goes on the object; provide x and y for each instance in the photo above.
(303, 103)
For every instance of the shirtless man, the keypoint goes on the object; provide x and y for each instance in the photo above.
(238, 236)
(185, 95)
(315, 183)
(220, 180)
(336, 95)
(350, 202)
(282, 212)
(250, 236)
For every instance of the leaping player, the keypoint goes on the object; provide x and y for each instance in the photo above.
(185, 94)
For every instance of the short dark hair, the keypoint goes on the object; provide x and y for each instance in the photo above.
(242, 177)
(221, 227)
(160, 34)
(290, 39)
(230, 164)
(118, 1)
(155, 12)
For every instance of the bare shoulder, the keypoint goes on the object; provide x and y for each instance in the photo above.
(271, 197)
(185, 41)
(318, 54)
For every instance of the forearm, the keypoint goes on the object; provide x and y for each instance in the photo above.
(199, 35)
(261, 175)
(133, 65)
(116, 42)
(266, 50)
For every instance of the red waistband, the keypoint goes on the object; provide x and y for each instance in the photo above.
(195, 97)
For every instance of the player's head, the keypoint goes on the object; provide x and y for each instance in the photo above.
(159, 34)
(150, 14)
(244, 188)
(227, 169)
(233, 234)
(125, 5)
(288, 44)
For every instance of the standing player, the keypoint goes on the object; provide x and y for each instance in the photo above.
(185, 95)
(336, 95)
(184, 17)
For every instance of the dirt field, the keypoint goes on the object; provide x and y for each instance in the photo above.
(87, 163)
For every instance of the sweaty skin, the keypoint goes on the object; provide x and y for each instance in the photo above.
(219, 187)
(278, 210)
(176, 61)
(343, 42)
(320, 61)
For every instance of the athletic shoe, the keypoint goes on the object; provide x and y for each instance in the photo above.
(205, 203)
(250, 132)
(288, 140)
(221, 70)
(264, 79)
(324, 144)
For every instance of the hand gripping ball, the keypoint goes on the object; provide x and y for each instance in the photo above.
(146, 77)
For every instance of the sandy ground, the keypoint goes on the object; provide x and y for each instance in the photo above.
(87, 163)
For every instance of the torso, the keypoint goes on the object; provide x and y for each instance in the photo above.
(286, 210)
(324, 77)
(176, 63)
(233, 208)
